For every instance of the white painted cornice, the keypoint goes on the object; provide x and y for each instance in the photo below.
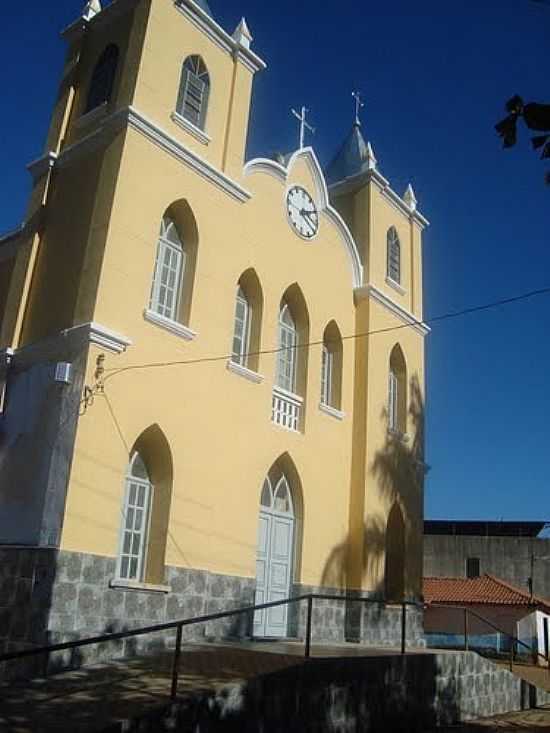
(283, 174)
(106, 338)
(373, 175)
(68, 343)
(170, 145)
(214, 31)
(132, 118)
(405, 316)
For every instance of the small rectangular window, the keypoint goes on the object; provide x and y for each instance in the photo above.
(472, 567)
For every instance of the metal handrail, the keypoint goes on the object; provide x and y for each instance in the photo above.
(515, 641)
(178, 625)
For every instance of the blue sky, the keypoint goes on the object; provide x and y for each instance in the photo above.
(435, 77)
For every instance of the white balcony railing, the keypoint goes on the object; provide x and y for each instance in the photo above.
(286, 409)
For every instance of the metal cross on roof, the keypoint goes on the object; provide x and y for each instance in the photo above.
(358, 104)
(303, 124)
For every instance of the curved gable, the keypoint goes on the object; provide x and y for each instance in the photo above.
(284, 174)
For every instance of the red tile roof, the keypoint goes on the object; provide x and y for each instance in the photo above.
(485, 590)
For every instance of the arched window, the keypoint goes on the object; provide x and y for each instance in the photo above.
(103, 79)
(397, 392)
(241, 331)
(287, 355)
(135, 527)
(194, 91)
(169, 269)
(395, 555)
(394, 256)
(331, 367)
(276, 495)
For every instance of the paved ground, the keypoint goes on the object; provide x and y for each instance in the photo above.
(89, 699)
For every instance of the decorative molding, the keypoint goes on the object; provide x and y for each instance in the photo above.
(169, 325)
(404, 315)
(130, 117)
(282, 174)
(243, 371)
(107, 339)
(93, 115)
(201, 20)
(189, 127)
(332, 411)
(267, 166)
(39, 167)
(138, 585)
(172, 146)
(395, 285)
(385, 189)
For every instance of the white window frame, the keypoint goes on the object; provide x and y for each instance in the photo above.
(166, 246)
(194, 71)
(327, 376)
(393, 256)
(241, 330)
(393, 401)
(287, 361)
(129, 515)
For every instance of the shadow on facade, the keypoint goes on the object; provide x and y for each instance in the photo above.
(378, 550)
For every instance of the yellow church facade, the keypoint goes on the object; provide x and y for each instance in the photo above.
(211, 369)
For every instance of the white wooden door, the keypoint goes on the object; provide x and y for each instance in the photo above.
(273, 572)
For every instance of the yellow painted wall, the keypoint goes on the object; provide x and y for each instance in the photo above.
(95, 263)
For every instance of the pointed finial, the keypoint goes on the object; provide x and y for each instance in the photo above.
(409, 198)
(242, 34)
(358, 104)
(92, 8)
(370, 158)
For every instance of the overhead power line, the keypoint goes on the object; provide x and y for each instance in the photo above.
(349, 337)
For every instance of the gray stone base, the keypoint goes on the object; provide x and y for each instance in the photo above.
(50, 596)
(374, 624)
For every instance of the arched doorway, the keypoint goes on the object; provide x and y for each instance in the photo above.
(395, 555)
(275, 555)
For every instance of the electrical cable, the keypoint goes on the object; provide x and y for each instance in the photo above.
(414, 323)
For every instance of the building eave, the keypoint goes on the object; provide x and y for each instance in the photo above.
(372, 175)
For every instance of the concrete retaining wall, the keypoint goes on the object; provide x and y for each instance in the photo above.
(415, 693)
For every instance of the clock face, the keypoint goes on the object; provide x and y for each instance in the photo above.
(302, 212)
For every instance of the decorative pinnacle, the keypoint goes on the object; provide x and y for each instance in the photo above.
(242, 34)
(358, 104)
(371, 158)
(92, 8)
(409, 198)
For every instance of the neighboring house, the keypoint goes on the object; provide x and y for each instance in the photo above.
(516, 551)
(171, 443)
(511, 610)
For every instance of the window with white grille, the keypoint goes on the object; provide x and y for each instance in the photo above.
(135, 521)
(241, 331)
(327, 376)
(194, 91)
(287, 356)
(169, 269)
(394, 256)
